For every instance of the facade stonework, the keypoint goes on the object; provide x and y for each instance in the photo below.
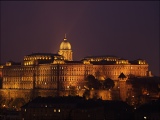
(51, 72)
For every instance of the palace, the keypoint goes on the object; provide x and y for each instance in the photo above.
(47, 71)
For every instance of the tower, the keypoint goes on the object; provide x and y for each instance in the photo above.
(122, 86)
(65, 49)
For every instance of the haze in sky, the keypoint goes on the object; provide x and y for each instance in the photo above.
(125, 29)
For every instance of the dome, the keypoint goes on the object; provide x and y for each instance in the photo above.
(65, 45)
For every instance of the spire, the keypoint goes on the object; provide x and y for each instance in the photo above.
(65, 36)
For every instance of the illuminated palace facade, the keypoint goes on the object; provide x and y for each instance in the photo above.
(48, 71)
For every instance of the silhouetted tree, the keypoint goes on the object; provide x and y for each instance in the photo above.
(131, 76)
(95, 95)
(92, 82)
(2, 101)
(86, 94)
(108, 83)
(150, 84)
(0, 83)
(72, 91)
(143, 88)
(18, 102)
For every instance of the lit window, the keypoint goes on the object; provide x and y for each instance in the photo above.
(59, 110)
(54, 110)
(45, 105)
(25, 110)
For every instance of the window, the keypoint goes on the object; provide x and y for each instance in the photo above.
(59, 110)
(54, 110)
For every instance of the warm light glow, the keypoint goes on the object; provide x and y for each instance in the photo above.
(8, 64)
(1, 66)
(69, 74)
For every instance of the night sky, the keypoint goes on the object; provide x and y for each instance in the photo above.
(128, 30)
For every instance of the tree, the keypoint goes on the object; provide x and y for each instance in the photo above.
(72, 91)
(2, 101)
(108, 83)
(92, 82)
(18, 102)
(86, 94)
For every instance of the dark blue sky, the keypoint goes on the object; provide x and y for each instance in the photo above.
(125, 29)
